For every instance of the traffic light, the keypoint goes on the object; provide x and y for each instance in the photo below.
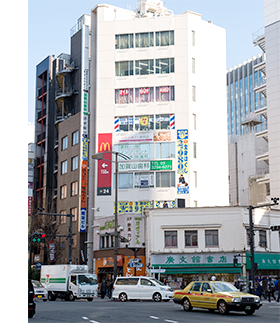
(235, 261)
(275, 228)
(38, 237)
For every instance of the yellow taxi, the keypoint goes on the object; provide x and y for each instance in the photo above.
(216, 295)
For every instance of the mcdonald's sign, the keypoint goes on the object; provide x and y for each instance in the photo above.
(104, 167)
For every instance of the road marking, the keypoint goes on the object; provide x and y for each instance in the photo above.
(93, 321)
(154, 317)
(171, 321)
(84, 317)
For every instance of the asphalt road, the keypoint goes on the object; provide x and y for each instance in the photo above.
(107, 311)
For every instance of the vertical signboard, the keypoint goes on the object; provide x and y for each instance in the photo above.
(182, 160)
(84, 127)
(104, 170)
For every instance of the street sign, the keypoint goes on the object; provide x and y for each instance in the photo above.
(135, 264)
(156, 271)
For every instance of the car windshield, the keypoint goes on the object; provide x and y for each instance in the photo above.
(223, 287)
(87, 280)
(36, 283)
(157, 281)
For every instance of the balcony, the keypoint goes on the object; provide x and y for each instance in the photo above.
(41, 114)
(261, 89)
(41, 137)
(259, 38)
(261, 67)
(263, 157)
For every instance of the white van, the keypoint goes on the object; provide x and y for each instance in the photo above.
(140, 287)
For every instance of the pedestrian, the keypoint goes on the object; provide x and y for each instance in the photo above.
(277, 289)
(264, 286)
(183, 285)
(103, 289)
(237, 284)
(165, 205)
(270, 289)
(259, 289)
(110, 288)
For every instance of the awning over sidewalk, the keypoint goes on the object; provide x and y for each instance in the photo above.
(269, 261)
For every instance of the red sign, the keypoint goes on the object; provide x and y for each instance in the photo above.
(104, 167)
(84, 184)
(144, 90)
(123, 92)
(164, 89)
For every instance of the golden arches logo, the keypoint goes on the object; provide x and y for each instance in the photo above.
(104, 146)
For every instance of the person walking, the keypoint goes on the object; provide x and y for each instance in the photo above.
(103, 289)
(270, 289)
(277, 288)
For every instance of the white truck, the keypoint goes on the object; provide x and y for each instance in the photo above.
(69, 282)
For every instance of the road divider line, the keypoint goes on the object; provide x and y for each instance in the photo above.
(154, 317)
(93, 321)
(170, 321)
(84, 317)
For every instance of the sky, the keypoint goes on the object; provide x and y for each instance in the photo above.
(51, 21)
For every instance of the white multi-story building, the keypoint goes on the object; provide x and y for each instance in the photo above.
(196, 243)
(157, 95)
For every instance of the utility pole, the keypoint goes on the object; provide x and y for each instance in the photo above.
(251, 240)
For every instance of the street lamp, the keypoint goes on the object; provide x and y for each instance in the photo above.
(99, 156)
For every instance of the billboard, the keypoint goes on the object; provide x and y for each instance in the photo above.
(104, 170)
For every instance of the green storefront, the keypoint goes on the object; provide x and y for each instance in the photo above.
(268, 263)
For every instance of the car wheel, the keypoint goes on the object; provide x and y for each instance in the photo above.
(44, 300)
(187, 305)
(157, 297)
(222, 307)
(250, 311)
(90, 299)
(123, 297)
(51, 296)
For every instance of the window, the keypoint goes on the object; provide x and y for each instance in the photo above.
(127, 281)
(74, 211)
(74, 163)
(64, 143)
(165, 38)
(165, 93)
(126, 123)
(165, 179)
(63, 218)
(165, 150)
(205, 287)
(144, 67)
(164, 65)
(193, 93)
(144, 40)
(195, 178)
(144, 94)
(124, 41)
(107, 241)
(170, 238)
(125, 181)
(195, 287)
(124, 96)
(144, 180)
(193, 37)
(194, 150)
(211, 238)
(143, 123)
(262, 234)
(146, 282)
(143, 151)
(193, 65)
(194, 121)
(124, 68)
(162, 121)
(75, 138)
(64, 167)
(191, 238)
(74, 188)
(63, 192)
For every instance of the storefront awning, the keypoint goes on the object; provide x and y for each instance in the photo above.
(195, 269)
(269, 261)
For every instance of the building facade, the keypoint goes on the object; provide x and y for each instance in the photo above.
(195, 243)
(153, 100)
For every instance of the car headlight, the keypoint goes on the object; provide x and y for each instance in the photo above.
(236, 300)
(257, 300)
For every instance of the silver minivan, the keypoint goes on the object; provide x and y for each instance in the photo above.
(141, 287)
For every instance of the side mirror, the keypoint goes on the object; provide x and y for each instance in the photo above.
(149, 283)
(209, 290)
